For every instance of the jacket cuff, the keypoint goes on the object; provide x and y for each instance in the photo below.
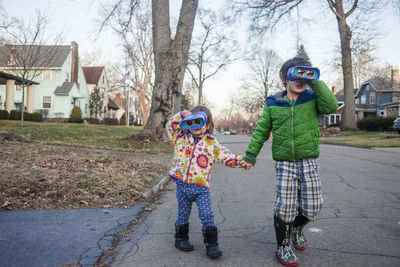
(250, 158)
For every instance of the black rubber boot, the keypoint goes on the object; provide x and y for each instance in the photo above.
(298, 239)
(210, 235)
(284, 252)
(182, 238)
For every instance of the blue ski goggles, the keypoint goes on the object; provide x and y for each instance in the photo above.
(302, 72)
(194, 121)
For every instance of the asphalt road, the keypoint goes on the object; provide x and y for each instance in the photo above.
(359, 224)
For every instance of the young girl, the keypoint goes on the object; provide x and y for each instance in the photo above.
(195, 153)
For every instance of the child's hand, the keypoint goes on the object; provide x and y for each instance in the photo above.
(245, 165)
(185, 112)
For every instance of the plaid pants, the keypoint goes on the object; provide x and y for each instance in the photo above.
(298, 188)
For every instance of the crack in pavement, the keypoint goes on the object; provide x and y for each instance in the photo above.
(343, 181)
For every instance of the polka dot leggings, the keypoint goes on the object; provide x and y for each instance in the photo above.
(186, 194)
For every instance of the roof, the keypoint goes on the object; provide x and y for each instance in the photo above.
(340, 95)
(49, 56)
(65, 88)
(112, 105)
(92, 74)
(6, 76)
(379, 84)
(394, 104)
(366, 107)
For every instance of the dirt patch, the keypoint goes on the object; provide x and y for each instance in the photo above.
(37, 176)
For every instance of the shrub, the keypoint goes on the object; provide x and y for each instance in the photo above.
(37, 116)
(76, 115)
(93, 121)
(27, 116)
(334, 130)
(376, 124)
(109, 121)
(4, 115)
(15, 115)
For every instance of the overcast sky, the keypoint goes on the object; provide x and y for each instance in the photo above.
(77, 19)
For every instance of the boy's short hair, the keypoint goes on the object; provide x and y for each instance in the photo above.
(296, 61)
(210, 123)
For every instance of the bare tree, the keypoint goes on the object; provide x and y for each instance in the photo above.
(134, 30)
(25, 52)
(261, 81)
(267, 13)
(211, 50)
(170, 60)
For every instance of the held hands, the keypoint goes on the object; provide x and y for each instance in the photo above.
(245, 165)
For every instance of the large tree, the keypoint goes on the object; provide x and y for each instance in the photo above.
(267, 13)
(170, 61)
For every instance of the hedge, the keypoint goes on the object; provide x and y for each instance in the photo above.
(376, 124)
(16, 116)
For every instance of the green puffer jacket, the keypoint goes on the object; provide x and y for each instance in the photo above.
(295, 129)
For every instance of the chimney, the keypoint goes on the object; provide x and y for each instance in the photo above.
(334, 89)
(13, 56)
(118, 99)
(395, 78)
(74, 63)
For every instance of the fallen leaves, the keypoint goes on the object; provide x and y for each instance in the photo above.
(38, 176)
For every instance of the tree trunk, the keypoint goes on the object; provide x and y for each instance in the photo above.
(143, 108)
(349, 119)
(170, 58)
(22, 107)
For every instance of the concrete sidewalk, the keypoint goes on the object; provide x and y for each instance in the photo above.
(358, 226)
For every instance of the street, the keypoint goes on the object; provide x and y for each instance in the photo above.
(359, 224)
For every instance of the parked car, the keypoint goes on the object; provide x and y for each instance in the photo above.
(396, 125)
(233, 132)
(226, 133)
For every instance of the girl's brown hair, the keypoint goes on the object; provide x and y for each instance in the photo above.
(210, 123)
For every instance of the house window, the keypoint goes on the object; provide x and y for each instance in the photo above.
(357, 101)
(46, 102)
(47, 75)
(372, 98)
(334, 119)
(363, 99)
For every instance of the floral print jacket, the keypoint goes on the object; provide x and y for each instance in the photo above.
(192, 162)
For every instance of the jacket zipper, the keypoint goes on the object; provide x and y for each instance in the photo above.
(292, 113)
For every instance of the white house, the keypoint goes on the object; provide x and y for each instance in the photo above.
(61, 82)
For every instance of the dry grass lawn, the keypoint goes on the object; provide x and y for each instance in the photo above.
(40, 176)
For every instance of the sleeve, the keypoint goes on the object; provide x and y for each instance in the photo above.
(260, 135)
(326, 100)
(224, 156)
(174, 127)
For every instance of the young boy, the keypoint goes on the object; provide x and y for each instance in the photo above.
(292, 116)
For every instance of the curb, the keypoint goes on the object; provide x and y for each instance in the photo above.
(156, 188)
